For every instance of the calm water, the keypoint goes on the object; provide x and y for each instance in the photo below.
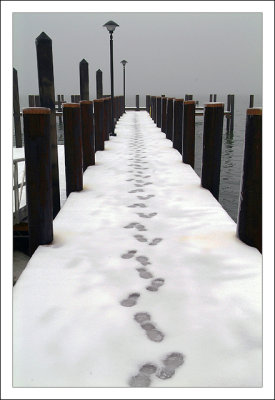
(232, 148)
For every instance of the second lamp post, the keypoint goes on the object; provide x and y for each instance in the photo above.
(111, 26)
(124, 62)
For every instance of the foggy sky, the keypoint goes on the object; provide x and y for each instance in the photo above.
(170, 53)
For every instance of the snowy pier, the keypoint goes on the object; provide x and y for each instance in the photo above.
(145, 282)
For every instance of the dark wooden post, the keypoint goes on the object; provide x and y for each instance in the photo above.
(153, 108)
(188, 133)
(228, 109)
(211, 97)
(158, 111)
(16, 111)
(232, 98)
(249, 225)
(212, 146)
(62, 97)
(251, 101)
(84, 79)
(98, 113)
(38, 176)
(99, 86)
(88, 137)
(177, 131)
(72, 98)
(47, 99)
(105, 119)
(59, 103)
(107, 115)
(137, 102)
(170, 118)
(148, 103)
(37, 101)
(215, 97)
(163, 114)
(31, 100)
(73, 147)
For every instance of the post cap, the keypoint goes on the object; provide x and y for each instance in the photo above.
(71, 105)
(42, 37)
(214, 105)
(254, 111)
(83, 61)
(36, 110)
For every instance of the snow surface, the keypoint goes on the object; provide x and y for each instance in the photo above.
(69, 326)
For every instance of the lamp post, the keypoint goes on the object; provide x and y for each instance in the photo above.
(124, 62)
(111, 26)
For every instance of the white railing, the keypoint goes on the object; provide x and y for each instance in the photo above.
(19, 213)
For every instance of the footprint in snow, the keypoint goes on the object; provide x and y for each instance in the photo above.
(142, 379)
(144, 273)
(131, 300)
(140, 238)
(155, 241)
(171, 363)
(155, 284)
(147, 215)
(143, 260)
(130, 254)
(136, 190)
(151, 331)
(137, 205)
(146, 197)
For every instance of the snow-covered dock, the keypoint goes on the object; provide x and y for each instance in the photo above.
(145, 284)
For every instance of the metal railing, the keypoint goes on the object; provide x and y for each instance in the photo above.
(19, 213)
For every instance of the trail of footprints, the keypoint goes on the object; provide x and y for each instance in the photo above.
(172, 361)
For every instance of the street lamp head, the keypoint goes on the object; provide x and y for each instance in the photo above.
(111, 26)
(124, 62)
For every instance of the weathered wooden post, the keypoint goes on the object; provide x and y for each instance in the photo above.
(107, 106)
(188, 133)
(47, 99)
(62, 97)
(37, 100)
(148, 103)
(228, 109)
(212, 146)
(153, 108)
(170, 118)
(99, 85)
(177, 131)
(98, 113)
(251, 101)
(232, 99)
(249, 225)
(73, 147)
(31, 100)
(215, 98)
(59, 103)
(105, 119)
(211, 98)
(158, 111)
(16, 111)
(88, 137)
(137, 102)
(38, 176)
(84, 79)
(72, 98)
(163, 114)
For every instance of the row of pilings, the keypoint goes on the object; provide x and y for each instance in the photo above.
(176, 118)
(87, 125)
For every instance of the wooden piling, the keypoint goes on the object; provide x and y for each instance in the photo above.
(16, 111)
(37, 100)
(31, 100)
(107, 105)
(249, 225)
(177, 124)
(154, 108)
(212, 146)
(137, 102)
(47, 99)
(38, 176)
(105, 119)
(148, 103)
(211, 98)
(251, 101)
(88, 137)
(59, 103)
(232, 101)
(188, 133)
(228, 109)
(99, 114)
(99, 85)
(73, 147)
(163, 114)
(215, 98)
(84, 79)
(170, 118)
(158, 111)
